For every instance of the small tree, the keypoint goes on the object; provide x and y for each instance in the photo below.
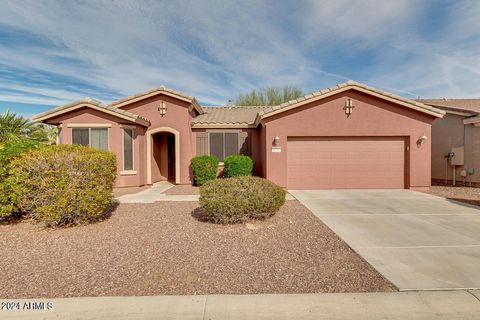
(269, 96)
(14, 127)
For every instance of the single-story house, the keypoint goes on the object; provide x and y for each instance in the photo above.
(456, 141)
(347, 136)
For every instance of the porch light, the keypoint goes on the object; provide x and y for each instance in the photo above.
(162, 109)
(276, 141)
(421, 139)
(348, 107)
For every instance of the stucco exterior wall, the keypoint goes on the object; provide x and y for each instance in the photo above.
(255, 145)
(472, 151)
(372, 117)
(450, 132)
(177, 117)
(86, 116)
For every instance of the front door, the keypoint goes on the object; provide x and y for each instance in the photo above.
(171, 157)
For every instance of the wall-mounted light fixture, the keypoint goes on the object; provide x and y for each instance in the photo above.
(421, 139)
(162, 109)
(276, 141)
(348, 108)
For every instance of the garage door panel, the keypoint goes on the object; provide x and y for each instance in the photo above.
(346, 163)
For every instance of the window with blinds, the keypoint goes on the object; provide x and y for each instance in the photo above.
(127, 149)
(94, 137)
(81, 136)
(223, 144)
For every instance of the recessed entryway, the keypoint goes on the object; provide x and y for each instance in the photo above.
(163, 155)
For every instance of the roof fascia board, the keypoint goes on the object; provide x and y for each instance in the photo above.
(353, 87)
(152, 94)
(146, 96)
(42, 117)
(453, 110)
(473, 120)
(220, 126)
(459, 113)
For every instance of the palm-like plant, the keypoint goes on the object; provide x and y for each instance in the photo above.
(16, 127)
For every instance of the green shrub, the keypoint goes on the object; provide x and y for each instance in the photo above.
(204, 169)
(240, 199)
(64, 184)
(9, 151)
(237, 165)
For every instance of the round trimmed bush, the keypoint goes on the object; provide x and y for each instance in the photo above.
(64, 184)
(8, 152)
(237, 165)
(204, 169)
(240, 199)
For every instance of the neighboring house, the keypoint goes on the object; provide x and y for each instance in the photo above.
(460, 127)
(347, 136)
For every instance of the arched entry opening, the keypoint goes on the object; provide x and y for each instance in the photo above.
(163, 155)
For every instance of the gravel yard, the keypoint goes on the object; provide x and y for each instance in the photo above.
(459, 193)
(162, 249)
(183, 190)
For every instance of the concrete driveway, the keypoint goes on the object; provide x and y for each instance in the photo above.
(417, 241)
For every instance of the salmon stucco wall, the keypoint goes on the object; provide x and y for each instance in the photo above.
(177, 117)
(450, 132)
(255, 145)
(371, 117)
(87, 116)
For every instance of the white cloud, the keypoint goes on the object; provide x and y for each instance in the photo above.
(362, 21)
(215, 49)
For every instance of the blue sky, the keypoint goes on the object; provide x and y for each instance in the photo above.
(53, 52)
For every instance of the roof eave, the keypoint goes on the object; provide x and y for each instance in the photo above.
(223, 126)
(454, 110)
(473, 120)
(59, 111)
(362, 88)
(197, 106)
(171, 93)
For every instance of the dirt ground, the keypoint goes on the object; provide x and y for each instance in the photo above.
(163, 249)
(460, 193)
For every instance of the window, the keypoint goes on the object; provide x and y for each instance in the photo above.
(59, 135)
(223, 144)
(94, 137)
(127, 149)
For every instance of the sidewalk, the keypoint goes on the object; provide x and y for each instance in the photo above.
(157, 193)
(398, 305)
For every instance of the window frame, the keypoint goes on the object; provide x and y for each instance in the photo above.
(128, 171)
(90, 134)
(223, 132)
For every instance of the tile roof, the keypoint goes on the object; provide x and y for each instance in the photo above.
(251, 116)
(231, 115)
(90, 101)
(248, 116)
(468, 105)
(349, 84)
(160, 89)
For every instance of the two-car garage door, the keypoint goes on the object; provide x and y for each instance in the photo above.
(360, 162)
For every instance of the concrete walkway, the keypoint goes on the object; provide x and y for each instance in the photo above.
(448, 305)
(417, 241)
(157, 193)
